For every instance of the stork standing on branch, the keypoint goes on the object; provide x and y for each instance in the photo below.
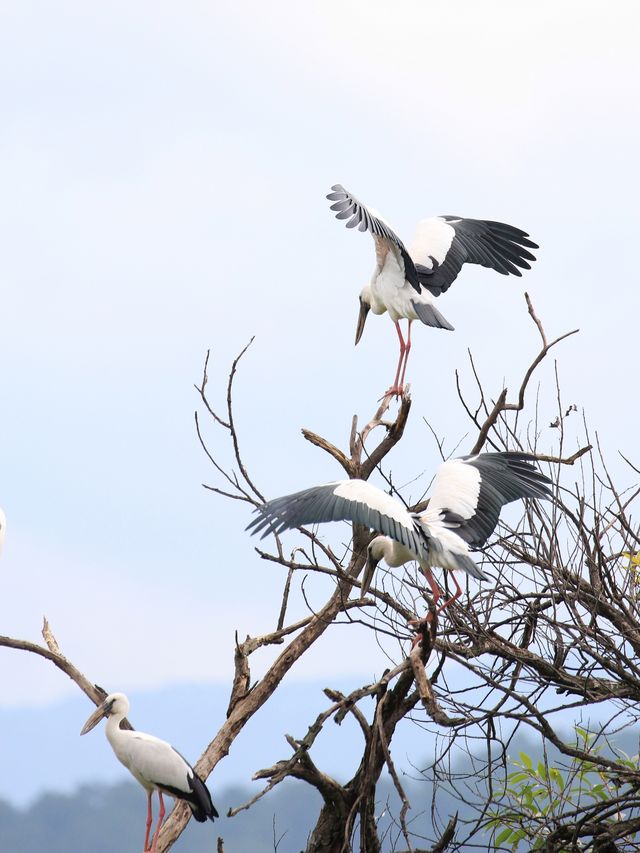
(405, 282)
(154, 763)
(464, 507)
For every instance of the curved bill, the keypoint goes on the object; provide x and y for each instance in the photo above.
(369, 569)
(101, 711)
(362, 319)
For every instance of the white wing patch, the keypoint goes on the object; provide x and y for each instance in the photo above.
(456, 488)
(360, 492)
(432, 239)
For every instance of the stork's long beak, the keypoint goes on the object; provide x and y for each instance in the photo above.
(101, 711)
(367, 577)
(362, 319)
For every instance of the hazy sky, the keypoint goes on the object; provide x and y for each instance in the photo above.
(163, 169)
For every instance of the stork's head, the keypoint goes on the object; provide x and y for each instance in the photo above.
(376, 551)
(378, 548)
(115, 703)
(365, 305)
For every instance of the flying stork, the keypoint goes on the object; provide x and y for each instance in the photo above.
(467, 496)
(405, 282)
(154, 763)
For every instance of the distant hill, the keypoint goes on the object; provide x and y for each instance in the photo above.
(41, 751)
(105, 819)
(110, 818)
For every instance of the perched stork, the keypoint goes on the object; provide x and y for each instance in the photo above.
(405, 282)
(464, 507)
(154, 763)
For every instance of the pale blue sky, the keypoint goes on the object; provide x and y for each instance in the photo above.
(163, 169)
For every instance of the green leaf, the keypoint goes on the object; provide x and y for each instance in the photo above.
(514, 778)
(506, 833)
(528, 763)
(556, 776)
(516, 838)
(542, 771)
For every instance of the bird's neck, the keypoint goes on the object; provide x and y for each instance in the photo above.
(370, 295)
(393, 553)
(112, 728)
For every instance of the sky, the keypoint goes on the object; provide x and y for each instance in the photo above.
(163, 170)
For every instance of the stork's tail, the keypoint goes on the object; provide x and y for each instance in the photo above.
(200, 800)
(430, 315)
(467, 565)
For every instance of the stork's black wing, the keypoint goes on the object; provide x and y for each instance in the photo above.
(469, 493)
(444, 243)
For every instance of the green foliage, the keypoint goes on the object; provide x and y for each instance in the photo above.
(537, 798)
(633, 566)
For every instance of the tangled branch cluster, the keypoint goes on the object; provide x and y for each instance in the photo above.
(555, 633)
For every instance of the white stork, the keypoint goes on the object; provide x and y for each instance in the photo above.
(464, 507)
(405, 282)
(154, 763)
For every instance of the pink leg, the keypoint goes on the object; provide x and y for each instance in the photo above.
(407, 347)
(395, 389)
(160, 819)
(435, 589)
(149, 820)
(457, 595)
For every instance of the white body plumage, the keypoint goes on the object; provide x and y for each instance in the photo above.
(153, 762)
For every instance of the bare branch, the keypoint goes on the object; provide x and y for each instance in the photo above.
(53, 654)
(329, 448)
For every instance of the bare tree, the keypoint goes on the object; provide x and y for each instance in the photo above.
(558, 630)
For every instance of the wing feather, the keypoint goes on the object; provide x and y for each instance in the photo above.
(155, 761)
(343, 500)
(469, 493)
(347, 206)
(442, 244)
